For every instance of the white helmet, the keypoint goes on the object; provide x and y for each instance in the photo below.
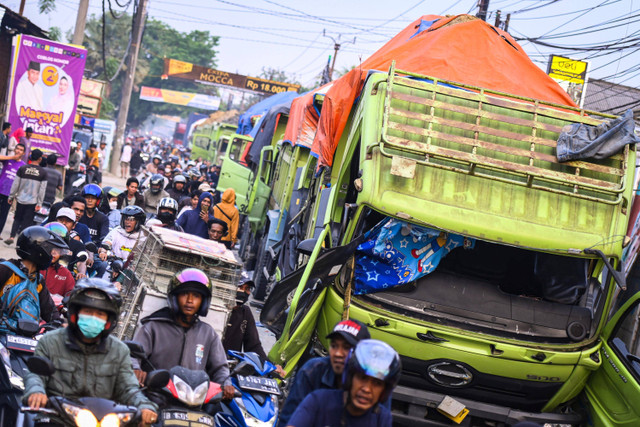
(167, 217)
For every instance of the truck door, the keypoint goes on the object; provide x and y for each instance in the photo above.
(613, 391)
(234, 175)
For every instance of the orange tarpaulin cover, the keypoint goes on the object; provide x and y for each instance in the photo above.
(460, 48)
(303, 118)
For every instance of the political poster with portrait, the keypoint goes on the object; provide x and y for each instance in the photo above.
(43, 92)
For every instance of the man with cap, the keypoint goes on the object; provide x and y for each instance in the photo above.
(28, 91)
(28, 189)
(324, 372)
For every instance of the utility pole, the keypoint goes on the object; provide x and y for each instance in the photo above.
(81, 21)
(336, 48)
(483, 7)
(127, 85)
(21, 10)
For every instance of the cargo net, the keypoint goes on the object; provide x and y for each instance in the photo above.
(495, 135)
(152, 267)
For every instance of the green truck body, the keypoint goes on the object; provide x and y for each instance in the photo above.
(481, 164)
(206, 140)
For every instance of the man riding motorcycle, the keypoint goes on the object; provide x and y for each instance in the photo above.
(89, 362)
(123, 238)
(166, 216)
(154, 194)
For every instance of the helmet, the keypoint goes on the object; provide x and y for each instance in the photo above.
(167, 217)
(375, 359)
(92, 190)
(114, 192)
(95, 293)
(133, 211)
(179, 178)
(190, 279)
(155, 183)
(194, 173)
(157, 157)
(59, 229)
(35, 244)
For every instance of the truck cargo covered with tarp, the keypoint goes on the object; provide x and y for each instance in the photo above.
(247, 124)
(452, 48)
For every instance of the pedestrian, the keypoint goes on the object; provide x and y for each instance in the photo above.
(371, 372)
(324, 372)
(14, 140)
(28, 191)
(196, 221)
(26, 140)
(131, 196)
(10, 166)
(92, 159)
(75, 159)
(125, 159)
(226, 210)
(54, 179)
(4, 139)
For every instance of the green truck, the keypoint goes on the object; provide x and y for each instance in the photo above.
(526, 322)
(207, 140)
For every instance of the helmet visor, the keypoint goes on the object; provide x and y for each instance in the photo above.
(193, 275)
(375, 358)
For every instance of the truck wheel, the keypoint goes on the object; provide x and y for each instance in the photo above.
(262, 259)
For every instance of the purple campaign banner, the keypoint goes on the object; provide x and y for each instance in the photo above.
(43, 92)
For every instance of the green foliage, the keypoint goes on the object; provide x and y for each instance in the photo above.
(46, 6)
(159, 41)
(55, 33)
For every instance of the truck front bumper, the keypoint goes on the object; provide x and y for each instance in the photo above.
(412, 408)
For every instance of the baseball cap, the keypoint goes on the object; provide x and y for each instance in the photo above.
(351, 330)
(67, 213)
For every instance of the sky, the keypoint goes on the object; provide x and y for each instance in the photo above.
(296, 35)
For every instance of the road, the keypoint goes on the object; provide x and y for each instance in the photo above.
(8, 252)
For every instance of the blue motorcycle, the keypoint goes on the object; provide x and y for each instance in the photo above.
(258, 405)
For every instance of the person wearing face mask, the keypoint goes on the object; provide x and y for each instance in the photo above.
(113, 214)
(89, 361)
(166, 215)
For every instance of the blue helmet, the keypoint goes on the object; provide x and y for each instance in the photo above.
(92, 190)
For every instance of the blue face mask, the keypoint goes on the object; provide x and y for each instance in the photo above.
(90, 326)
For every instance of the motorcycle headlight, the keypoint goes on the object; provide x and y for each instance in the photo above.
(82, 417)
(114, 420)
(188, 395)
(15, 379)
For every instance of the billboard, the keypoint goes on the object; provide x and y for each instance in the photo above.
(44, 84)
(196, 100)
(571, 75)
(195, 73)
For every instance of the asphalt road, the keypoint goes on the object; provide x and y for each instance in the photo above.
(7, 252)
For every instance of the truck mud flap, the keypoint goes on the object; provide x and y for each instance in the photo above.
(412, 408)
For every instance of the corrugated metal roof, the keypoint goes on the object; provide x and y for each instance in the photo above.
(612, 98)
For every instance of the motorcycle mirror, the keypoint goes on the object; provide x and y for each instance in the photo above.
(135, 349)
(157, 379)
(27, 327)
(243, 368)
(41, 366)
(91, 247)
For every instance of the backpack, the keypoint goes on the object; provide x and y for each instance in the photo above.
(19, 301)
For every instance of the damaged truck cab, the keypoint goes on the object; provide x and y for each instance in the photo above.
(450, 228)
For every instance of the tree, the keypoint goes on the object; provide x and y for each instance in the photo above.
(159, 41)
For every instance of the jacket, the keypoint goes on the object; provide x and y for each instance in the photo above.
(167, 344)
(122, 200)
(151, 201)
(30, 185)
(121, 242)
(226, 210)
(191, 222)
(241, 333)
(99, 370)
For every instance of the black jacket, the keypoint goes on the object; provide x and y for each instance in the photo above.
(123, 204)
(241, 333)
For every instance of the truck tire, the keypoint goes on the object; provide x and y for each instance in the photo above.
(263, 259)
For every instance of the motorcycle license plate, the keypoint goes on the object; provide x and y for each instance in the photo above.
(186, 418)
(265, 385)
(15, 342)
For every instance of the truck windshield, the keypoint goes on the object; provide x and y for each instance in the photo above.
(482, 286)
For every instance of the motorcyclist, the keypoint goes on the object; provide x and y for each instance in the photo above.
(123, 238)
(155, 163)
(97, 222)
(154, 194)
(178, 188)
(166, 215)
(22, 293)
(371, 372)
(175, 335)
(89, 361)
(57, 277)
(79, 255)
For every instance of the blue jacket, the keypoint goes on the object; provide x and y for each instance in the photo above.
(190, 220)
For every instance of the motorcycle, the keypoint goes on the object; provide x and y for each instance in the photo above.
(183, 399)
(258, 403)
(42, 214)
(79, 180)
(14, 352)
(87, 411)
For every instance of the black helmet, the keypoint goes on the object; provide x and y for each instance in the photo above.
(155, 183)
(375, 359)
(95, 293)
(133, 211)
(35, 244)
(190, 279)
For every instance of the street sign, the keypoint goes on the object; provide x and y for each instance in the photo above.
(570, 74)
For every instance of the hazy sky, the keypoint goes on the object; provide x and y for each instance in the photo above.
(288, 34)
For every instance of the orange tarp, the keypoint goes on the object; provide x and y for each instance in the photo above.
(303, 118)
(460, 48)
